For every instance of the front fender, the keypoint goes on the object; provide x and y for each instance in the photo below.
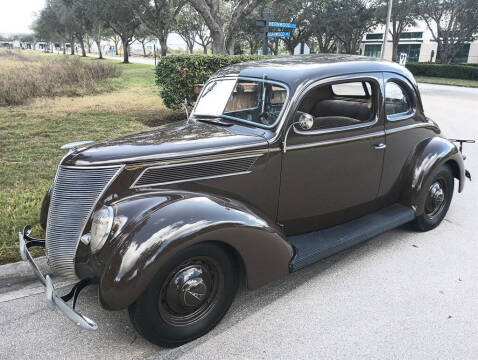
(429, 156)
(152, 227)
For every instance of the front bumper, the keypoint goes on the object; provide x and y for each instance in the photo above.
(53, 300)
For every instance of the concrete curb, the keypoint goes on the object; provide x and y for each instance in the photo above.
(22, 268)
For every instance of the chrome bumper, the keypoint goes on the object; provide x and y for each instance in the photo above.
(53, 300)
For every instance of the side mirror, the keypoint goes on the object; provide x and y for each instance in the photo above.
(306, 121)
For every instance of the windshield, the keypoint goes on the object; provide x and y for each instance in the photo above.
(255, 102)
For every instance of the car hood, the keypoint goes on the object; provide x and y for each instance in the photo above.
(174, 140)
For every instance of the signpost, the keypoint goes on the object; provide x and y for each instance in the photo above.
(265, 24)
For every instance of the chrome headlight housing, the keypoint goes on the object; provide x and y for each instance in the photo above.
(101, 227)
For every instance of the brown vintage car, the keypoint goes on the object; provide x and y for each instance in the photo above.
(281, 163)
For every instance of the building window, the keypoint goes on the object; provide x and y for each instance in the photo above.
(460, 57)
(411, 35)
(374, 36)
(412, 51)
(373, 50)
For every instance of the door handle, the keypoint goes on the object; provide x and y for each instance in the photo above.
(380, 146)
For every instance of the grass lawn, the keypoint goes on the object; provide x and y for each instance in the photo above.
(446, 81)
(31, 136)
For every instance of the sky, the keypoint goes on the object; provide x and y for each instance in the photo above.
(16, 16)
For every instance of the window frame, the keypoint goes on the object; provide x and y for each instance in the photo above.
(408, 92)
(339, 80)
(237, 79)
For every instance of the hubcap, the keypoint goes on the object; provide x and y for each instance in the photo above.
(436, 199)
(189, 292)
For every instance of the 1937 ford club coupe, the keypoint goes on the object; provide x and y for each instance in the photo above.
(282, 162)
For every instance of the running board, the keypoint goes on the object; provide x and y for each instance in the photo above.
(317, 245)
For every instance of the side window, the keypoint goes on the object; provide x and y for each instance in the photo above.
(338, 105)
(397, 101)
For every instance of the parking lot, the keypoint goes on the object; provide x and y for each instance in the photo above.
(401, 295)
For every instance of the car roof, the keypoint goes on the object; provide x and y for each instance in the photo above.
(297, 69)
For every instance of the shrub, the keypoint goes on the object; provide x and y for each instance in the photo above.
(21, 80)
(452, 71)
(177, 74)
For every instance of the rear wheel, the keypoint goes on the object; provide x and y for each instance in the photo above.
(187, 297)
(437, 200)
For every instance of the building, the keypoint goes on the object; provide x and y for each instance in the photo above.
(417, 42)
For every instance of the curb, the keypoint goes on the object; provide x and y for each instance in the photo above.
(22, 268)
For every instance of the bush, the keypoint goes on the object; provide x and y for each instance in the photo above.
(452, 71)
(177, 74)
(44, 76)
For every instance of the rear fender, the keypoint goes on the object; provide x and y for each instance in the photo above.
(428, 157)
(153, 227)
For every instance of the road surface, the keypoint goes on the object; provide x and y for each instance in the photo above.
(402, 295)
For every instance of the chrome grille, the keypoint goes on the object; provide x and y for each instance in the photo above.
(75, 193)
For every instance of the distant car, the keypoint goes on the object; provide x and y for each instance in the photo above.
(283, 162)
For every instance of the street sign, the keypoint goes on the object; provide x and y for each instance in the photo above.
(276, 34)
(282, 24)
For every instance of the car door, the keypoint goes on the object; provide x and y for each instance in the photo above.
(331, 173)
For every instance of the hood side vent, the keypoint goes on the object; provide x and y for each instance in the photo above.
(194, 171)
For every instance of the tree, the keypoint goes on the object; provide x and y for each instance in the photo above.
(298, 12)
(203, 37)
(404, 14)
(143, 35)
(224, 34)
(350, 20)
(123, 22)
(47, 26)
(158, 16)
(451, 22)
(188, 26)
(96, 14)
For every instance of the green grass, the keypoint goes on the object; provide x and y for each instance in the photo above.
(31, 136)
(446, 81)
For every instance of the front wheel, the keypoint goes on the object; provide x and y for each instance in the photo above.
(437, 200)
(188, 296)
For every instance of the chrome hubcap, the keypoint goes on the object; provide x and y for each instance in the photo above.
(436, 199)
(190, 291)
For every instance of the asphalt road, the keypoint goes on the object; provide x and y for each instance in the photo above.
(402, 295)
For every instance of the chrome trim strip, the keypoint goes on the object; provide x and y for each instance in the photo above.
(193, 179)
(409, 127)
(335, 141)
(337, 129)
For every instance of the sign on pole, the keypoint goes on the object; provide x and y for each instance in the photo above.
(276, 34)
(282, 25)
(265, 24)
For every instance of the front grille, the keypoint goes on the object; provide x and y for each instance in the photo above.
(170, 174)
(75, 193)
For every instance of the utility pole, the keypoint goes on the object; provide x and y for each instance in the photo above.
(387, 24)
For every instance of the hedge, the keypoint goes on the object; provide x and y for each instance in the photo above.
(176, 75)
(452, 71)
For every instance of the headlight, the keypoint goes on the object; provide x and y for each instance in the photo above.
(101, 227)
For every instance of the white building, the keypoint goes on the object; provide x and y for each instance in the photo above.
(417, 42)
